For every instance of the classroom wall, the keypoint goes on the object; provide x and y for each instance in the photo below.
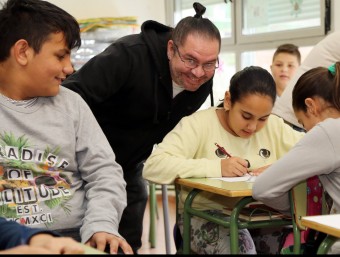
(142, 9)
(335, 14)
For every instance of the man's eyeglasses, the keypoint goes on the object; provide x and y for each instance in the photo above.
(192, 64)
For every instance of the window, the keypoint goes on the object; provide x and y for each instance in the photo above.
(264, 58)
(263, 20)
(222, 77)
(251, 31)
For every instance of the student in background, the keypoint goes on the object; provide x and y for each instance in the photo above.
(323, 54)
(316, 103)
(243, 126)
(140, 87)
(20, 239)
(57, 169)
(286, 60)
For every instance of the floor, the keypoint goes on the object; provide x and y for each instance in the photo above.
(160, 238)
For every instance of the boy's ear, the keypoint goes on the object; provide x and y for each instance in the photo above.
(227, 101)
(21, 51)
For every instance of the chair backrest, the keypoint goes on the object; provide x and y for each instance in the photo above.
(298, 202)
(307, 199)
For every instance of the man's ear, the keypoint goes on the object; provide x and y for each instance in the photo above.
(227, 101)
(170, 49)
(21, 51)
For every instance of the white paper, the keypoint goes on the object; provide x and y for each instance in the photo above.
(246, 177)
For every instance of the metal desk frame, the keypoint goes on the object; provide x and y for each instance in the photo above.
(234, 224)
(332, 234)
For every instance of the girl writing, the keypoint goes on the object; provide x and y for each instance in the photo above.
(244, 127)
(316, 104)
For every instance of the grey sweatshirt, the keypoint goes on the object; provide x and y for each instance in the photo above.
(317, 153)
(57, 169)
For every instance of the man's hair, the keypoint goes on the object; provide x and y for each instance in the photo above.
(34, 21)
(289, 49)
(195, 25)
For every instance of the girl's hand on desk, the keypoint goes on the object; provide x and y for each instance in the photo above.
(234, 167)
(258, 171)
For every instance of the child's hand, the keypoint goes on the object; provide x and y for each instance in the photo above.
(234, 167)
(258, 171)
(56, 245)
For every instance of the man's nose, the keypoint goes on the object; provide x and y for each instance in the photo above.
(198, 71)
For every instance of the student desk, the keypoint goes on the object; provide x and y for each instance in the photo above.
(228, 189)
(328, 224)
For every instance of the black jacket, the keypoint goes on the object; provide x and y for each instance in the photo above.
(129, 89)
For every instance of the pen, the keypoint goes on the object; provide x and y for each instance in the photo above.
(228, 154)
(222, 150)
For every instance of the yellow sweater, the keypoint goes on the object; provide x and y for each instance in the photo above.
(189, 150)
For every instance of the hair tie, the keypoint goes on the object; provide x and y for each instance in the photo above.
(199, 9)
(332, 69)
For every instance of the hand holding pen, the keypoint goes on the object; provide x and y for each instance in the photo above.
(233, 166)
(227, 154)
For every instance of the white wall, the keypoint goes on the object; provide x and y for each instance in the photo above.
(336, 14)
(142, 9)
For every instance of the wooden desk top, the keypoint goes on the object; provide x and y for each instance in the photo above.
(230, 189)
(328, 223)
(91, 250)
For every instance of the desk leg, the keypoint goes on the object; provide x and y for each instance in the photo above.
(326, 244)
(166, 219)
(153, 209)
(187, 221)
(234, 247)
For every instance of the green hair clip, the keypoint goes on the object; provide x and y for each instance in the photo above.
(332, 69)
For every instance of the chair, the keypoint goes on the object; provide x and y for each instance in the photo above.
(298, 202)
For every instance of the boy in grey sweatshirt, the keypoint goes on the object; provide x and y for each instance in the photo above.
(56, 167)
